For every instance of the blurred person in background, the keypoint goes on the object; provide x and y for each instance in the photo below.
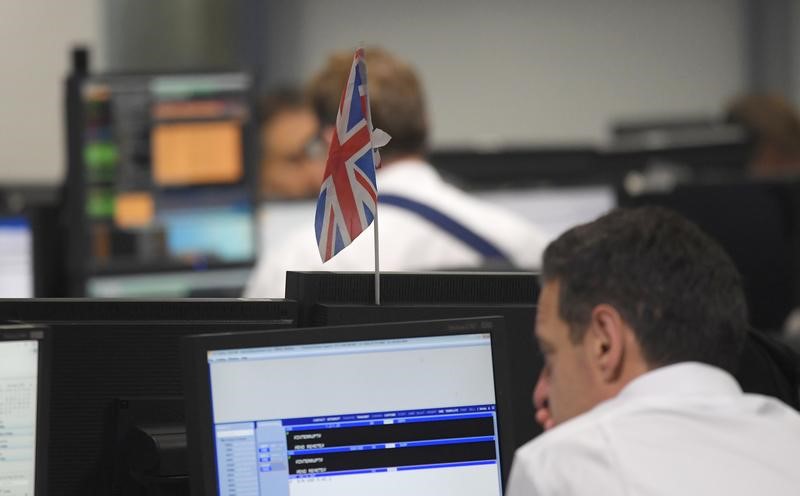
(425, 223)
(293, 156)
(774, 125)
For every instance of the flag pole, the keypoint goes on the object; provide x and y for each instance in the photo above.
(377, 260)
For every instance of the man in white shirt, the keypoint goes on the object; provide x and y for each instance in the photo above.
(425, 223)
(641, 320)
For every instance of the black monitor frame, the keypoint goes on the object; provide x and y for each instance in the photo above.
(42, 335)
(199, 418)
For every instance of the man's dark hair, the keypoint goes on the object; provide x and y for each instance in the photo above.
(675, 286)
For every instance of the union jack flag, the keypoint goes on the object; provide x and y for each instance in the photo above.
(348, 197)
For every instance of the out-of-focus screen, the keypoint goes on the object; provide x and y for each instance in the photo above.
(19, 366)
(16, 258)
(165, 172)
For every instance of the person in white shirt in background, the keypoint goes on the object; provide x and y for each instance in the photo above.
(425, 223)
(641, 320)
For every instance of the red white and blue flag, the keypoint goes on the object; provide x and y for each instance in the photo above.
(348, 198)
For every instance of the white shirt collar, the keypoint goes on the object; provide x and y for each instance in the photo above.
(685, 378)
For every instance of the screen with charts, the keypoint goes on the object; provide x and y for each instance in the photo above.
(391, 417)
(18, 397)
(16, 257)
(166, 164)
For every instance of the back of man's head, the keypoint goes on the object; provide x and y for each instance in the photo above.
(396, 99)
(674, 286)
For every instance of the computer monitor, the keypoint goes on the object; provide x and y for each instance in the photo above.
(16, 257)
(161, 183)
(106, 350)
(394, 409)
(24, 409)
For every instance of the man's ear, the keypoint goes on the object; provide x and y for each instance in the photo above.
(605, 342)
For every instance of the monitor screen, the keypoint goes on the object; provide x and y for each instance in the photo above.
(19, 393)
(166, 173)
(390, 416)
(16, 257)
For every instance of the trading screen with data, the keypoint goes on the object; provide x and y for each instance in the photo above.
(391, 417)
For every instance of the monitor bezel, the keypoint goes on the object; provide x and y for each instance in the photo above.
(197, 381)
(25, 332)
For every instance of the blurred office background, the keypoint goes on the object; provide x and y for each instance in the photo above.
(557, 98)
(513, 73)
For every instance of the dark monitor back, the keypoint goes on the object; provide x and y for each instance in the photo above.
(95, 363)
(524, 356)
(757, 224)
(137, 310)
(409, 288)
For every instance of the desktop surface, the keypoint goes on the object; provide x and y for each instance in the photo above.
(380, 409)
